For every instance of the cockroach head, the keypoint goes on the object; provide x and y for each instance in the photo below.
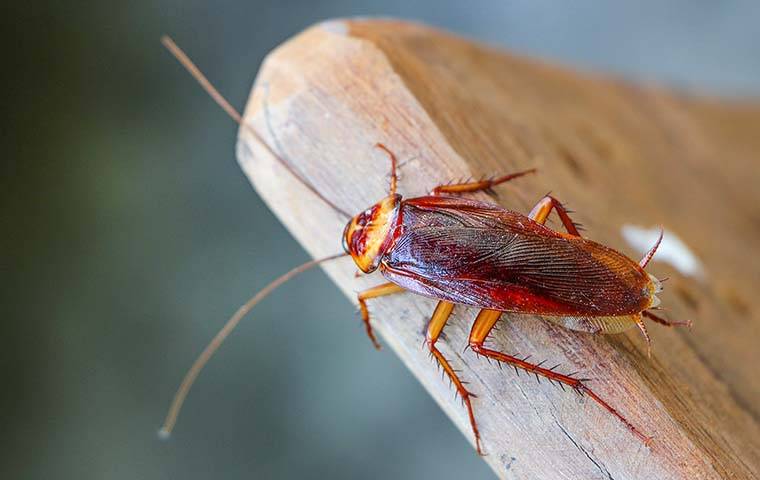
(368, 235)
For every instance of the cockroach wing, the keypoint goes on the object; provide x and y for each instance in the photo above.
(477, 254)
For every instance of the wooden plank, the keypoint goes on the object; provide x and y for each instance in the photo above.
(618, 154)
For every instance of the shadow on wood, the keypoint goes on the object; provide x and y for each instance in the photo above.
(618, 154)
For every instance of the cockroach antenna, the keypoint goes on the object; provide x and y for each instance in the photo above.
(216, 342)
(645, 261)
(204, 82)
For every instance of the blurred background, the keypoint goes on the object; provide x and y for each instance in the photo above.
(128, 234)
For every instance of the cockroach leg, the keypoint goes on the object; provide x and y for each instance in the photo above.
(485, 321)
(394, 162)
(667, 323)
(643, 328)
(374, 292)
(435, 327)
(483, 185)
(544, 207)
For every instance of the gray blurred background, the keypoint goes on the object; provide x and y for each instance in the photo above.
(128, 234)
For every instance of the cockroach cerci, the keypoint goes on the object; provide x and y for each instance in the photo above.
(475, 254)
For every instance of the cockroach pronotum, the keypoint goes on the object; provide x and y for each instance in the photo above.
(474, 254)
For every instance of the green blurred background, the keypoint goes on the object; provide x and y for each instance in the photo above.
(129, 234)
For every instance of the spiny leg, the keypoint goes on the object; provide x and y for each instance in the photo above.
(394, 162)
(435, 327)
(544, 207)
(374, 292)
(643, 328)
(482, 185)
(661, 321)
(667, 323)
(483, 325)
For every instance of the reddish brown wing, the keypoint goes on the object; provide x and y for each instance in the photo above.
(478, 254)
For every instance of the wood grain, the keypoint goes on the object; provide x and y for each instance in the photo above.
(617, 154)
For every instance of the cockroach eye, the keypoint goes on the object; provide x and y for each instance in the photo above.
(344, 239)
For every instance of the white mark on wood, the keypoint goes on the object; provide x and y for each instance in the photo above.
(672, 250)
(337, 27)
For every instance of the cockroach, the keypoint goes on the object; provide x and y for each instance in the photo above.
(474, 254)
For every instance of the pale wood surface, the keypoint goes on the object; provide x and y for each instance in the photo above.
(616, 154)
